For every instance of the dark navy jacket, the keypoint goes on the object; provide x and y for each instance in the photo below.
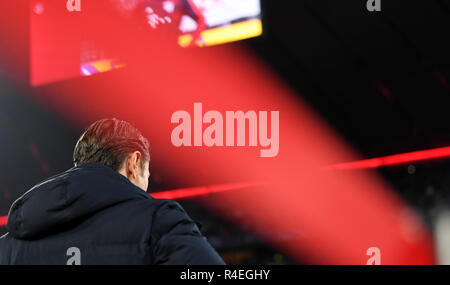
(91, 214)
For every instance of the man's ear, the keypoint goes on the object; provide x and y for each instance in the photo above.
(133, 163)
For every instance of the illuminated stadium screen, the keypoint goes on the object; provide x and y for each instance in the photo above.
(199, 22)
(188, 23)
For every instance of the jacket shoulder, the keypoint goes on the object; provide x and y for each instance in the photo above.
(168, 217)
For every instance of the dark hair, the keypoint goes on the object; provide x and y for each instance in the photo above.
(109, 142)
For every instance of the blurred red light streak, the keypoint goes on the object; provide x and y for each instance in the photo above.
(3, 221)
(394, 159)
(375, 162)
(200, 191)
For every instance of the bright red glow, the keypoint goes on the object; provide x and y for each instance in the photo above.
(394, 159)
(200, 191)
(3, 221)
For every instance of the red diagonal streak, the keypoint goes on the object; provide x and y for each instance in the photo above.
(394, 159)
(361, 164)
(202, 190)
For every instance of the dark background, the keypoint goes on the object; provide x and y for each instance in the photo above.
(381, 79)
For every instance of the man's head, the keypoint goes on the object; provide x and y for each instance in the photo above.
(118, 145)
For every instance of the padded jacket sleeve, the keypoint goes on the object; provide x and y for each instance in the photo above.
(176, 239)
